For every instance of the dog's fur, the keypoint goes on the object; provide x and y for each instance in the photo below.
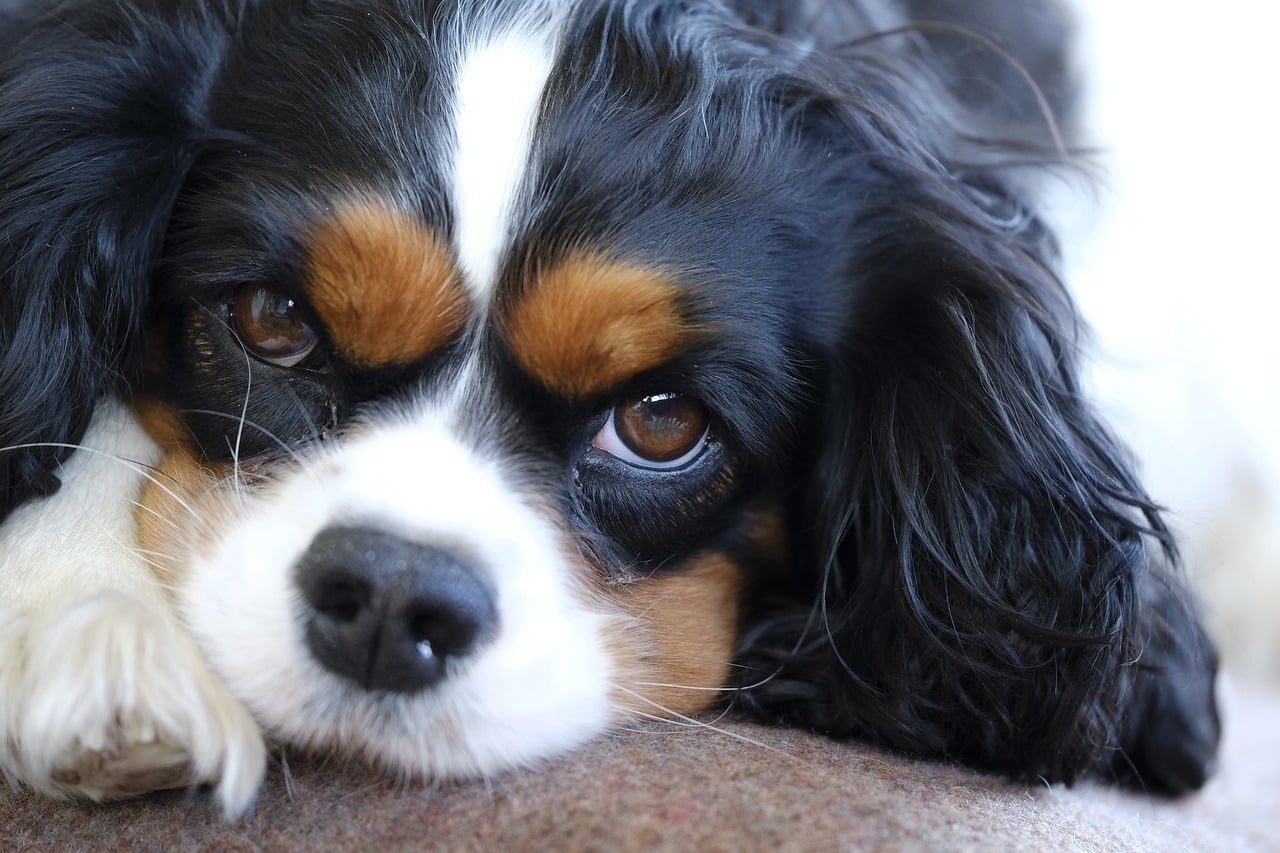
(414, 524)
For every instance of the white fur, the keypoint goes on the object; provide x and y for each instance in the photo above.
(540, 687)
(498, 91)
(101, 693)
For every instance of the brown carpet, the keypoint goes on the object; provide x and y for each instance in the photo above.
(661, 787)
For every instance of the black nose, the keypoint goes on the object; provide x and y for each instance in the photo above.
(388, 613)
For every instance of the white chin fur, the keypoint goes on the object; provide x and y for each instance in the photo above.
(538, 688)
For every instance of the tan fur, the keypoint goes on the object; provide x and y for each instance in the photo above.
(689, 616)
(166, 517)
(384, 284)
(589, 323)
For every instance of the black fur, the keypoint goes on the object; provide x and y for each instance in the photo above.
(977, 573)
(94, 144)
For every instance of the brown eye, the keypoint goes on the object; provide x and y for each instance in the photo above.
(270, 324)
(661, 431)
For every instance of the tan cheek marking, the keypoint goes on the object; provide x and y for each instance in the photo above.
(589, 323)
(384, 284)
(171, 519)
(686, 637)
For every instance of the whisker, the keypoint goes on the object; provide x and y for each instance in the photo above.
(685, 720)
(689, 687)
(132, 464)
(145, 552)
(142, 553)
(284, 445)
(154, 514)
(316, 432)
(244, 415)
(755, 685)
(244, 407)
(286, 775)
(656, 718)
(151, 558)
(155, 564)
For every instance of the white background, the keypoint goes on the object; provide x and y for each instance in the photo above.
(1177, 267)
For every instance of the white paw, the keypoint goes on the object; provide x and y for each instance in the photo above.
(108, 698)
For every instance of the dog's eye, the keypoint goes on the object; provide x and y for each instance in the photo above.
(271, 326)
(660, 431)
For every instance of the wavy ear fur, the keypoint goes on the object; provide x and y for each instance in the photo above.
(98, 105)
(990, 559)
(987, 576)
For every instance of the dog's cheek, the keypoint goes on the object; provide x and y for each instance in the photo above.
(673, 654)
(173, 519)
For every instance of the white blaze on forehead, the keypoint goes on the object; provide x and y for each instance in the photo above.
(499, 89)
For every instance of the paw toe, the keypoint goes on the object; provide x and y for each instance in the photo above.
(127, 771)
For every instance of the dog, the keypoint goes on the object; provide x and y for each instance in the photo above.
(446, 382)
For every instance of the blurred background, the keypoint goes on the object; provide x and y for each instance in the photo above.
(1176, 263)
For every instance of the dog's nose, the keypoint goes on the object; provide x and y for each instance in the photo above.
(388, 613)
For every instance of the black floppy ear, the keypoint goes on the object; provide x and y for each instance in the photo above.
(983, 539)
(984, 560)
(979, 575)
(97, 108)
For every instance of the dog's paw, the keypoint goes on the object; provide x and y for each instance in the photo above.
(108, 699)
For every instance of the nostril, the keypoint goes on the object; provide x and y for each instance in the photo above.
(443, 632)
(388, 613)
(339, 596)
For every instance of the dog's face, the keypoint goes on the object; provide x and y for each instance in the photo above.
(520, 368)
(474, 395)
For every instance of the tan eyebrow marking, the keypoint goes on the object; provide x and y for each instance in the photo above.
(589, 323)
(384, 283)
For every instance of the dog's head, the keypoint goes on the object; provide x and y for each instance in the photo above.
(518, 372)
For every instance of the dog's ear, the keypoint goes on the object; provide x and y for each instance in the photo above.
(98, 101)
(982, 539)
(977, 544)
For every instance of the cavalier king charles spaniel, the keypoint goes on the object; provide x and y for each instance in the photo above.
(445, 382)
